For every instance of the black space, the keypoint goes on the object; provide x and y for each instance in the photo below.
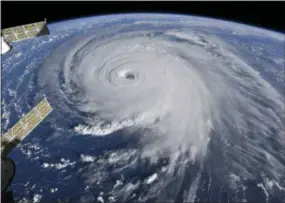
(270, 15)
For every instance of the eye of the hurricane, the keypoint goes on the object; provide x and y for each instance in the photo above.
(125, 77)
(129, 76)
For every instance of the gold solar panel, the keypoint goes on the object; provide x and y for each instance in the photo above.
(22, 36)
(7, 31)
(25, 31)
(24, 126)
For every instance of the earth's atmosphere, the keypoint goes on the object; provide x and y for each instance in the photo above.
(149, 107)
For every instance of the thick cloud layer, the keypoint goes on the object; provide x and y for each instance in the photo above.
(177, 89)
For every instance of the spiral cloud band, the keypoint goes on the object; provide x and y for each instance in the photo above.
(178, 88)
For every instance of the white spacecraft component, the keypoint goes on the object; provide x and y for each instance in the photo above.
(4, 46)
(24, 126)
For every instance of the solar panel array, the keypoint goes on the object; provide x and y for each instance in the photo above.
(24, 126)
(25, 31)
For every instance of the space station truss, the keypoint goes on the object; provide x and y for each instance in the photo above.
(24, 126)
(25, 31)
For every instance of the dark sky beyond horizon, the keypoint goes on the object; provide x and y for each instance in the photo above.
(269, 15)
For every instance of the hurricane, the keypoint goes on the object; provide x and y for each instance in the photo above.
(196, 110)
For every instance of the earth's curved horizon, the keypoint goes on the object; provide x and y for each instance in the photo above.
(149, 107)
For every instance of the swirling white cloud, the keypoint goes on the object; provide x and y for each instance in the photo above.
(177, 87)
